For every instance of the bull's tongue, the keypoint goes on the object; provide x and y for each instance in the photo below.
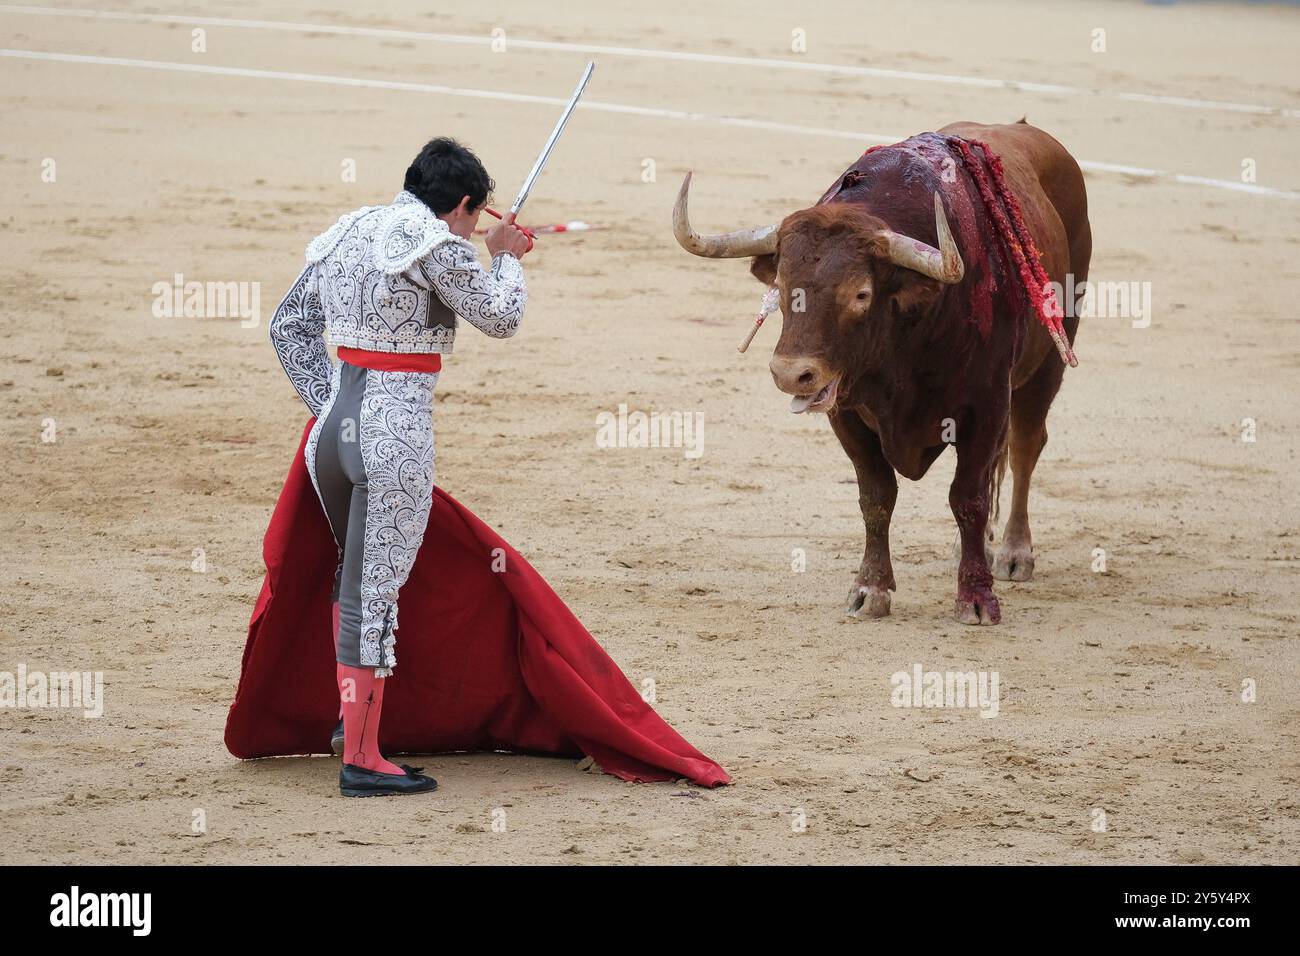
(801, 403)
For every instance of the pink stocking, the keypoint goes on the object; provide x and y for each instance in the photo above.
(362, 696)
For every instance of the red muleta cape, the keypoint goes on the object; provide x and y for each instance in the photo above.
(486, 660)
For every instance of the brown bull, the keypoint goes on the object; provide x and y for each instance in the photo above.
(908, 304)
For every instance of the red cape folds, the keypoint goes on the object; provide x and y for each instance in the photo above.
(486, 660)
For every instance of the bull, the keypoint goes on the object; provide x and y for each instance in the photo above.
(916, 313)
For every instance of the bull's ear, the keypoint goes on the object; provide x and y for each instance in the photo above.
(763, 268)
(914, 295)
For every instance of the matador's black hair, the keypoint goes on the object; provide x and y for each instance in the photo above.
(444, 172)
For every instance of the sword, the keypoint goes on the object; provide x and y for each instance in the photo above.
(546, 151)
(550, 143)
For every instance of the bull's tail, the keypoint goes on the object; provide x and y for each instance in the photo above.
(996, 475)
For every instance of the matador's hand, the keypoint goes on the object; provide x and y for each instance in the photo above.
(505, 236)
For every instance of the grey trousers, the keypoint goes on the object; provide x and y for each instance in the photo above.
(371, 457)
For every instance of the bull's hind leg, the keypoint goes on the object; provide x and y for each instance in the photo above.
(877, 492)
(1014, 560)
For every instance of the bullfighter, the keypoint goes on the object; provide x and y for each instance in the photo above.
(387, 283)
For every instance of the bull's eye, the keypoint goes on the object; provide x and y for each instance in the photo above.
(862, 297)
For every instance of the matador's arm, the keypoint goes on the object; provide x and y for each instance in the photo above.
(298, 334)
(493, 299)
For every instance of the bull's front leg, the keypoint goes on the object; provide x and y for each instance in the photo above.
(877, 492)
(978, 442)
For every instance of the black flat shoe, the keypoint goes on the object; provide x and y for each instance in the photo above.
(336, 740)
(357, 781)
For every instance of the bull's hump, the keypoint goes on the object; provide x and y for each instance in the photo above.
(895, 177)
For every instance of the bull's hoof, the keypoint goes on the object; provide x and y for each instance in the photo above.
(867, 600)
(977, 607)
(1013, 564)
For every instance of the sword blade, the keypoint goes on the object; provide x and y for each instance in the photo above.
(550, 143)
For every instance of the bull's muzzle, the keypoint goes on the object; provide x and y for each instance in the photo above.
(811, 381)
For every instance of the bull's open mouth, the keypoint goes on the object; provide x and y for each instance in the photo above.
(821, 401)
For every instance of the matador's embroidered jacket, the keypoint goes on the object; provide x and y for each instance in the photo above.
(378, 279)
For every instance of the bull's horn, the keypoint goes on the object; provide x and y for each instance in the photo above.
(726, 245)
(943, 264)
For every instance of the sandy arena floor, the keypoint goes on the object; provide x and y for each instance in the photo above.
(1121, 691)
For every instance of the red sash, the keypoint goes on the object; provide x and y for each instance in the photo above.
(392, 361)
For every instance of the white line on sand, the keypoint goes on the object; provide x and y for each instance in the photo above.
(861, 137)
(766, 63)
